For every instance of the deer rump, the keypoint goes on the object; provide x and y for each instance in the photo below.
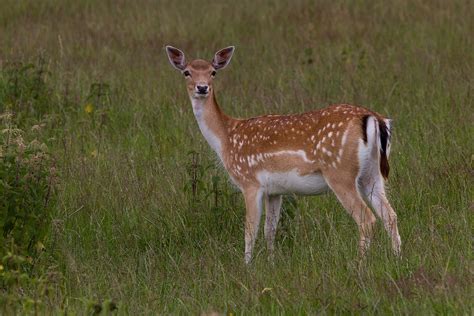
(383, 140)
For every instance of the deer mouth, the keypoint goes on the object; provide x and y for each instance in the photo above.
(201, 95)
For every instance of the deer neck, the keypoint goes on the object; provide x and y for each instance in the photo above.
(212, 122)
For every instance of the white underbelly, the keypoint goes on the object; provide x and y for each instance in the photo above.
(292, 182)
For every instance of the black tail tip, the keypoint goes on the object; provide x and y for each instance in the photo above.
(384, 166)
(384, 140)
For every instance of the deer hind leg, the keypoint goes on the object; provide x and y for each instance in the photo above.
(272, 216)
(253, 205)
(374, 192)
(346, 191)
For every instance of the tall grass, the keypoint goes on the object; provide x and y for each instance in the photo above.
(146, 222)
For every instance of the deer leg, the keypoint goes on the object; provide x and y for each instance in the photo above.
(375, 194)
(272, 216)
(347, 194)
(253, 205)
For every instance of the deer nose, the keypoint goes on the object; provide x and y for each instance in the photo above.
(202, 89)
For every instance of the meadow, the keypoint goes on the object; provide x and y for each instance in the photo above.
(140, 218)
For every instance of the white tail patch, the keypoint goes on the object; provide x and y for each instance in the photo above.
(368, 153)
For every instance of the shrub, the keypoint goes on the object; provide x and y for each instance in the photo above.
(24, 89)
(27, 176)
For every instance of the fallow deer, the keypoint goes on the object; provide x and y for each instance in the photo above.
(341, 147)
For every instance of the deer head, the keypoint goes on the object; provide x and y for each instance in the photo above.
(199, 73)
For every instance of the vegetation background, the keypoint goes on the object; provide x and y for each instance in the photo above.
(140, 219)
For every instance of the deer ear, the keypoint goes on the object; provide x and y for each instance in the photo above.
(176, 57)
(222, 58)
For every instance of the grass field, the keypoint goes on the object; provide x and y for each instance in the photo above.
(143, 218)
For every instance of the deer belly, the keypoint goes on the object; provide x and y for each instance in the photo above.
(292, 182)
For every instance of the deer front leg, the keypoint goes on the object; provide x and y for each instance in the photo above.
(272, 216)
(253, 205)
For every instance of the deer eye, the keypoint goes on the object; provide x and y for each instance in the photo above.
(186, 73)
(213, 73)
